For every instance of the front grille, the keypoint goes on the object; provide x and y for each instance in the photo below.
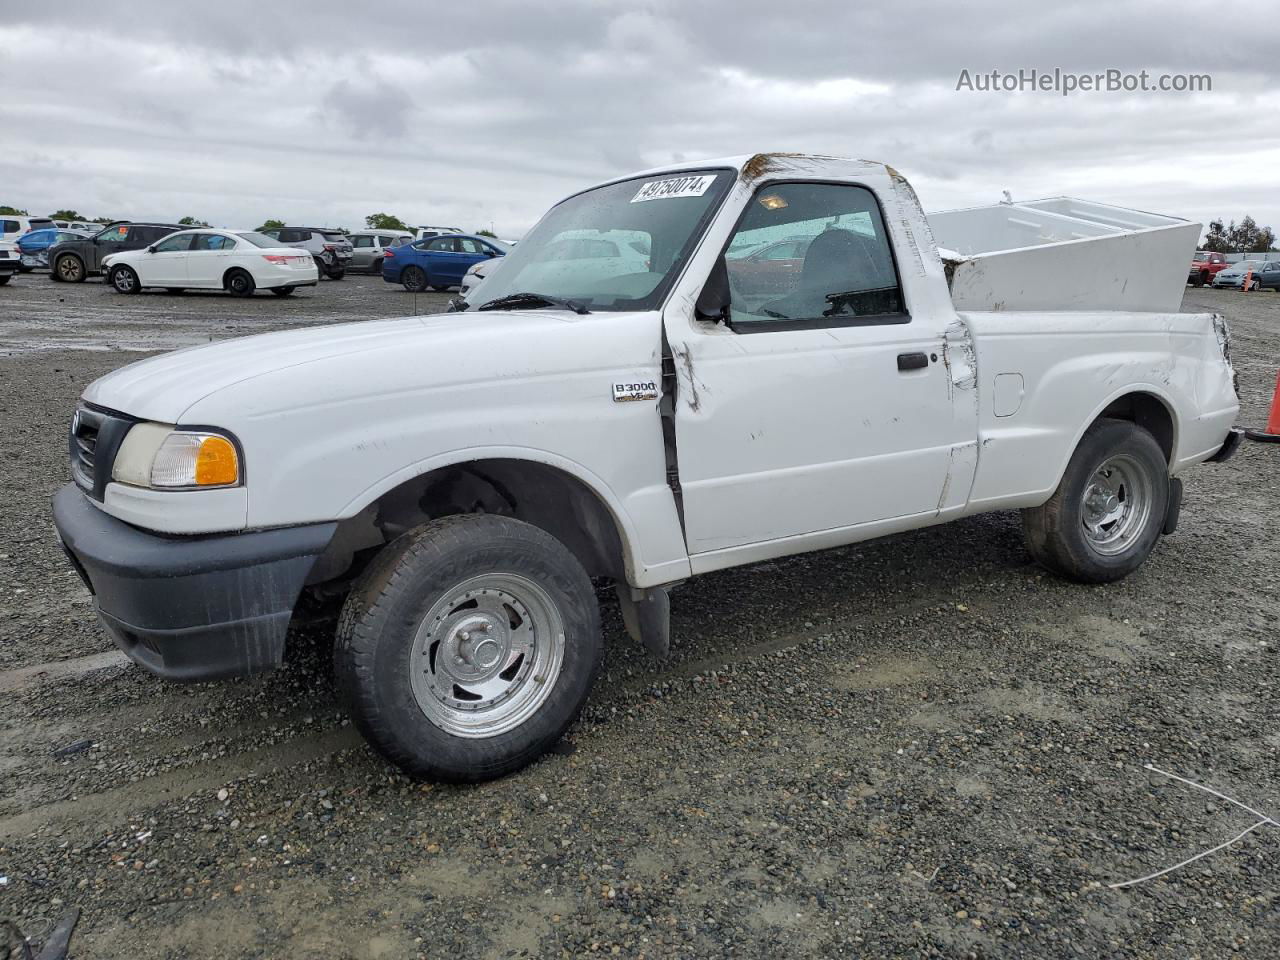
(85, 427)
(96, 435)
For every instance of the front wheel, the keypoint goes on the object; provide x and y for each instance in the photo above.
(1255, 285)
(1109, 509)
(124, 280)
(468, 647)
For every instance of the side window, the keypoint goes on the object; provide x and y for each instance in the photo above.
(114, 235)
(467, 245)
(385, 241)
(441, 245)
(173, 244)
(9, 226)
(837, 268)
(359, 242)
(212, 241)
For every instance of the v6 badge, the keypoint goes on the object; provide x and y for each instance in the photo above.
(641, 390)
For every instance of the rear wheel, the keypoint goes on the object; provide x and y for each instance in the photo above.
(414, 279)
(1109, 509)
(282, 291)
(124, 280)
(468, 646)
(337, 273)
(69, 268)
(239, 283)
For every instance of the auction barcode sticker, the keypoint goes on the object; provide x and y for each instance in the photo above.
(675, 187)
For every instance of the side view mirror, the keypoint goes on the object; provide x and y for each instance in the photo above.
(490, 254)
(714, 300)
(151, 249)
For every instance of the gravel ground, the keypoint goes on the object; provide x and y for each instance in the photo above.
(923, 746)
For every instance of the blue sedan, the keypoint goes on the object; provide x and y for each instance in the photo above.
(438, 262)
(34, 247)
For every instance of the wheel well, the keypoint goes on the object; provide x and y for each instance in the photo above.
(230, 270)
(1150, 413)
(544, 496)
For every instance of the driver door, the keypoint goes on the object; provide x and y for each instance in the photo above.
(167, 266)
(824, 411)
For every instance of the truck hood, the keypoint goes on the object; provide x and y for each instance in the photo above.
(166, 387)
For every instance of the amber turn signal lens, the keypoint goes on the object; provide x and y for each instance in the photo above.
(216, 463)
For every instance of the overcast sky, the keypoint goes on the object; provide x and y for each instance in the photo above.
(471, 114)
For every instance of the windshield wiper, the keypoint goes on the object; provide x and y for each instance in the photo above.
(516, 301)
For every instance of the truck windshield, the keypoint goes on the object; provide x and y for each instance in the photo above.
(616, 247)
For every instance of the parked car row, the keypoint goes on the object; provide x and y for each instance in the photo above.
(1207, 266)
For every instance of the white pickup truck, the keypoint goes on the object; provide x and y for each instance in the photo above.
(751, 358)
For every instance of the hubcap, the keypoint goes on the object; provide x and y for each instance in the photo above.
(1116, 505)
(124, 282)
(487, 654)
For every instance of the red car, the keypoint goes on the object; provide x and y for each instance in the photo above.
(771, 269)
(1205, 266)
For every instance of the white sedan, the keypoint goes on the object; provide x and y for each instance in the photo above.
(238, 261)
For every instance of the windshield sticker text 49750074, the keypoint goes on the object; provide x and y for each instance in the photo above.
(674, 187)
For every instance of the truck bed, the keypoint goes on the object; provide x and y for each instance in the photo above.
(1062, 253)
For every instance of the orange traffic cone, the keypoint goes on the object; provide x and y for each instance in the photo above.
(1272, 432)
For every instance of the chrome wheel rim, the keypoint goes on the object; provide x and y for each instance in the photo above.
(1116, 505)
(487, 655)
(68, 268)
(123, 280)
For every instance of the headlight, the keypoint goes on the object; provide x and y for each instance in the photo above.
(156, 455)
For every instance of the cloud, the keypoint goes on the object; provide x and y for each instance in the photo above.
(321, 112)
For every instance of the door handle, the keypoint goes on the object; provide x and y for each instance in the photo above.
(912, 361)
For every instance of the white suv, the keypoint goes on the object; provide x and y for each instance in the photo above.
(328, 246)
(12, 227)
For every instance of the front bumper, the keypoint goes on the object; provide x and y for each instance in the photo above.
(190, 608)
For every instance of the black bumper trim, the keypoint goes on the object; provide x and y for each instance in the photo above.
(190, 608)
(1229, 446)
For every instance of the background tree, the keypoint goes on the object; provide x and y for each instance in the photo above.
(486, 233)
(1215, 241)
(384, 221)
(13, 211)
(103, 220)
(1243, 237)
(271, 225)
(191, 222)
(65, 215)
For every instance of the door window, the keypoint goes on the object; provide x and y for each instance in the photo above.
(114, 235)
(385, 241)
(360, 242)
(442, 245)
(173, 244)
(212, 241)
(836, 236)
(468, 245)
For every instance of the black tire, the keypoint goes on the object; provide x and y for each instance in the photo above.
(69, 268)
(1255, 286)
(439, 288)
(1056, 533)
(124, 279)
(239, 283)
(414, 279)
(283, 291)
(337, 273)
(175, 290)
(5, 278)
(22, 269)
(322, 270)
(378, 630)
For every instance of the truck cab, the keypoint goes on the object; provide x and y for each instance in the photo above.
(637, 419)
